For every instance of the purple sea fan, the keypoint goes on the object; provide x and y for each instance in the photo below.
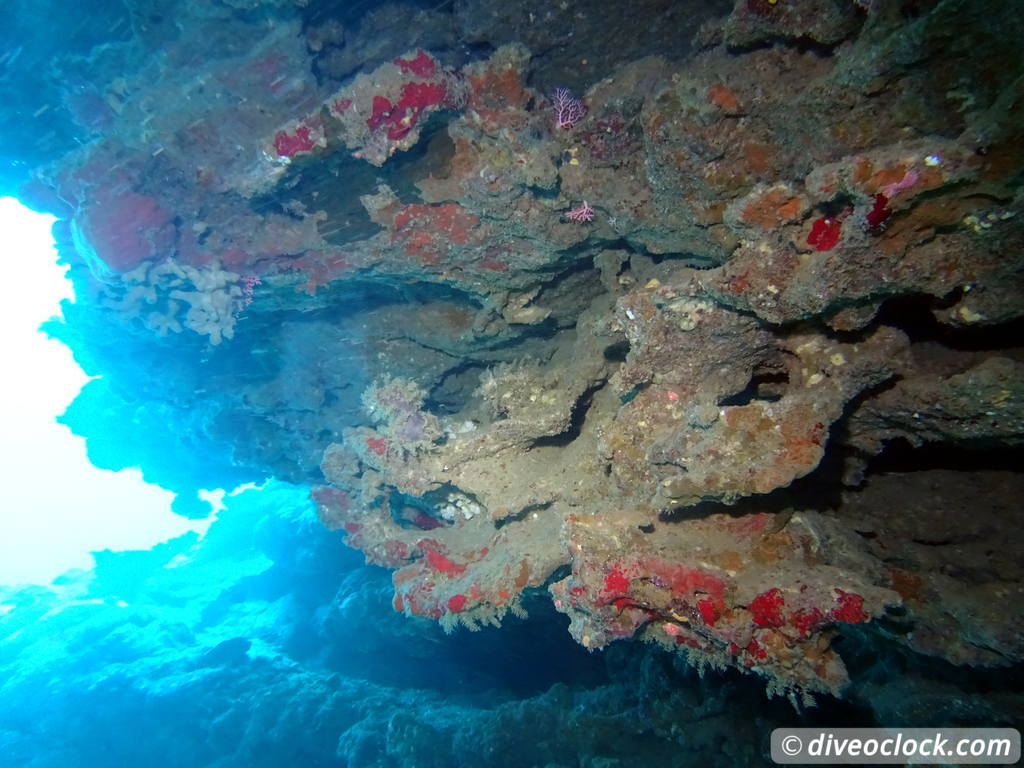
(568, 109)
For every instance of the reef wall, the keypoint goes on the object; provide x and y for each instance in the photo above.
(631, 329)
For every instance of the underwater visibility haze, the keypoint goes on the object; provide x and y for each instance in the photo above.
(555, 384)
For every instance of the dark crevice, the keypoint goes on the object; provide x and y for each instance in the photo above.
(579, 414)
(933, 543)
(561, 572)
(777, 501)
(802, 44)
(521, 514)
(617, 352)
(767, 386)
(900, 456)
(913, 315)
(414, 513)
(691, 260)
(455, 388)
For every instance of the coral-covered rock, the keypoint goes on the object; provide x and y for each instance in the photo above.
(382, 112)
(649, 360)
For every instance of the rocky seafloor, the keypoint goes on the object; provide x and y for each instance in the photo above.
(691, 328)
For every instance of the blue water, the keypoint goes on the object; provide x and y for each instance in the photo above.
(268, 643)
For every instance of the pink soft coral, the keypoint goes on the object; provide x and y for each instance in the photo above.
(581, 213)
